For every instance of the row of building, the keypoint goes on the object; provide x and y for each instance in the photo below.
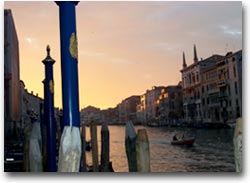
(210, 93)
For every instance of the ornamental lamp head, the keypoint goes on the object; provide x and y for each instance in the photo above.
(48, 59)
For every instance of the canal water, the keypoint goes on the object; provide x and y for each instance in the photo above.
(211, 152)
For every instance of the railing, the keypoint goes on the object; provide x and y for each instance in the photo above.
(221, 83)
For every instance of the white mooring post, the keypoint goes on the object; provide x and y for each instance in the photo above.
(238, 145)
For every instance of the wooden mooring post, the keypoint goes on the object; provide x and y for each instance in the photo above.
(238, 145)
(105, 148)
(142, 151)
(130, 144)
(83, 135)
(93, 134)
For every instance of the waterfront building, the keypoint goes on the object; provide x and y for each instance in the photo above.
(212, 89)
(147, 108)
(12, 104)
(169, 108)
(210, 92)
(91, 114)
(110, 115)
(229, 70)
(191, 81)
(141, 110)
(127, 109)
(30, 106)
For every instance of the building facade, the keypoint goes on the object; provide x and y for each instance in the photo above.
(127, 109)
(169, 106)
(111, 116)
(212, 89)
(12, 105)
(229, 70)
(192, 87)
(141, 110)
(90, 114)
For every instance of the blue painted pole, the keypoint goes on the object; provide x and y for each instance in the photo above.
(68, 38)
(69, 154)
(49, 115)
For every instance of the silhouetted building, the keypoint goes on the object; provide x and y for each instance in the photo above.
(147, 109)
(110, 115)
(12, 111)
(90, 114)
(169, 109)
(127, 109)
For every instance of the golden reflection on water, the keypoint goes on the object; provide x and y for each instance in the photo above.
(212, 151)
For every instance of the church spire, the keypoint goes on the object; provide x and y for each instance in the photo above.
(195, 55)
(184, 61)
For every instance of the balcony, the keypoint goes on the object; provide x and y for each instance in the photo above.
(212, 91)
(222, 83)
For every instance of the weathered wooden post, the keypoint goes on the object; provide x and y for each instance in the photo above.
(83, 148)
(26, 145)
(35, 150)
(105, 148)
(93, 134)
(238, 145)
(70, 146)
(142, 151)
(130, 144)
(49, 115)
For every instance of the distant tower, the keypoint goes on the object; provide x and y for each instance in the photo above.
(195, 55)
(184, 61)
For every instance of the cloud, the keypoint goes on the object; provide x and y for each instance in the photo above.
(230, 31)
(29, 40)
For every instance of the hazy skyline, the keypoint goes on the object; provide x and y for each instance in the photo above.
(124, 48)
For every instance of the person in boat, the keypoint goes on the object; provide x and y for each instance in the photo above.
(174, 137)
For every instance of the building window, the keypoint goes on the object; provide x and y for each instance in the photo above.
(234, 71)
(207, 100)
(238, 112)
(230, 103)
(237, 102)
(202, 89)
(203, 101)
(229, 90)
(236, 88)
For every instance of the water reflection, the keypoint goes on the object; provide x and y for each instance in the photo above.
(211, 152)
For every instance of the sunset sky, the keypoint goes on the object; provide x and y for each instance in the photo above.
(124, 48)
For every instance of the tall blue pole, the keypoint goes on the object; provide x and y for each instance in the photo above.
(69, 153)
(68, 38)
(49, 116)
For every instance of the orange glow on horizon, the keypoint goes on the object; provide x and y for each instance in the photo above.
(124, 48)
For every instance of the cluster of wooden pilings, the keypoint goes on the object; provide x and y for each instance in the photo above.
(137, 149)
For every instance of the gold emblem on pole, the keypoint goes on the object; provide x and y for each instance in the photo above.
(73, 46)
(51, 86)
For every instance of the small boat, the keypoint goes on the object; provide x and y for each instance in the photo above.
(186, 141)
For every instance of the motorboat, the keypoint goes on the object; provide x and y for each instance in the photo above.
(184, 141)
